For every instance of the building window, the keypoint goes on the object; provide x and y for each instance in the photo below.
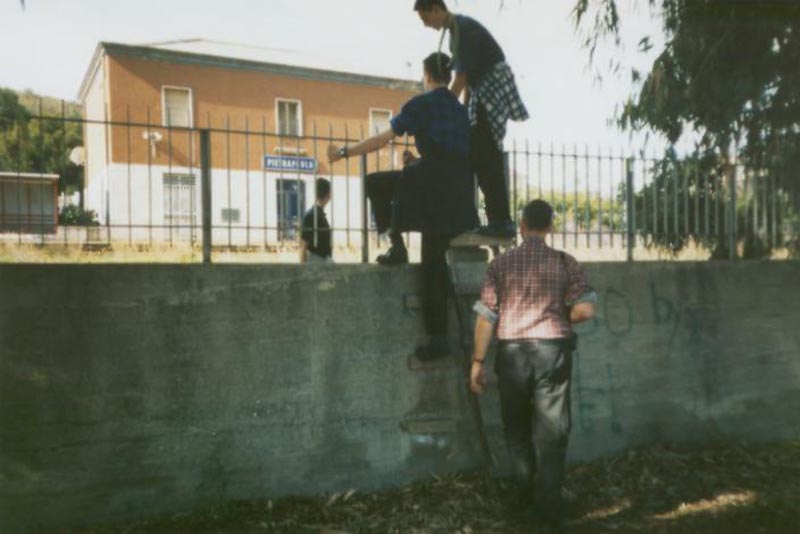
(230, 215)
(177, 103)
(379, 120)
(180, 199)
(290, 117)
(291, 195)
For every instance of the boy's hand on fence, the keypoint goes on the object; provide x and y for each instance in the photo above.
(408, 157)
(333, 154)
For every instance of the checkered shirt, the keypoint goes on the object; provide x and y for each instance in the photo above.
(500, 97)
(528, 289)
(438, 122)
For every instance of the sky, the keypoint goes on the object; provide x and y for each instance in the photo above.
(48, 46)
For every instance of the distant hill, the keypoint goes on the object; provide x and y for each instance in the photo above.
(50, 106)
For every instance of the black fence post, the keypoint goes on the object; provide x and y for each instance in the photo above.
(205, 178)
(629, 209)
(732, 222)
(364, 216)
(511, 195)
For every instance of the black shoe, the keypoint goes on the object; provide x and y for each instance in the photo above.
(434, 349)
(503, 230)
(394, 256)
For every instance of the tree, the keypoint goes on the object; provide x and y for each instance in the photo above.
(728, 74)
(13, 121)
(32, 143)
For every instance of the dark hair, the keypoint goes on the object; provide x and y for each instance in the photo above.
(439, 66)
(538, 215)
(323, 188)
(427, 5)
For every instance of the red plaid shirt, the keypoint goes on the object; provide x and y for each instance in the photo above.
(528, 289)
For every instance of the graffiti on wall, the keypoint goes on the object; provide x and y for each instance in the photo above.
(683, 334)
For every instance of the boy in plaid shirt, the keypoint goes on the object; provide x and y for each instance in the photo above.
(533, 295)
(490, 92)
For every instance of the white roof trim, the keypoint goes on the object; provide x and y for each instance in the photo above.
(94, 66)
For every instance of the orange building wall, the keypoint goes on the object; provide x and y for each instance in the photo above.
(240, 100)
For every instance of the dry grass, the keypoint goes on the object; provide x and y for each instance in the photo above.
(122, 252)
(730, 490)
(53, 253)
(33, 248)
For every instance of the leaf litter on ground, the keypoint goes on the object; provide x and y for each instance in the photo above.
(734, 488)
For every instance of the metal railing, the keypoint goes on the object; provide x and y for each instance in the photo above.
(233, 186)
(734, 208)
(214, 187)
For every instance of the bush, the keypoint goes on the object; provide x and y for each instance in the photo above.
(73, 215)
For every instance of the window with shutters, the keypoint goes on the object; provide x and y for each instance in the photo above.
(289, 114)
(177, 102)
(379, 120)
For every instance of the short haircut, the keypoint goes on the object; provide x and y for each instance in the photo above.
(439, 66)
(427, 5)
(538, 215)
(323, 188)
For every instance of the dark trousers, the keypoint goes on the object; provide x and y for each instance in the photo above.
(534, 383)
(380, 191)
(435, 279)
(488, 162)
(435, 282)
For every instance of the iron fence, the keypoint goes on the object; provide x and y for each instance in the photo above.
(604, 199)
(235, 186)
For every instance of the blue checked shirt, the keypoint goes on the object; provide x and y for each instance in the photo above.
(475, 52)
(438, 122)
(500, 97)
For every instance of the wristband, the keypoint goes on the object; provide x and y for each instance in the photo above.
(476, 360)
(343, 152)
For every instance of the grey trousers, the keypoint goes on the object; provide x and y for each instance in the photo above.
(534, 383)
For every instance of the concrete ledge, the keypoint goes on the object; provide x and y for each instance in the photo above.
(129, 390)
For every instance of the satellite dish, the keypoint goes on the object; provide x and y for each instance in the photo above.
(153, 137)
(78, 155)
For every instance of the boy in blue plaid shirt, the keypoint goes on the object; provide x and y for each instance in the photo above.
(433, 194)
(487, 83)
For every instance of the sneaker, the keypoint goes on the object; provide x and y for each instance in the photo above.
(503, 230)
(394, 256)
(434, 349)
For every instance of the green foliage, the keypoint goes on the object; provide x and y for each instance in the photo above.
(683, 203)
(582, 213)
(689, 199)
(48, 106)
(74, 215)
(30, 143)
(10, 107)
(728, 74)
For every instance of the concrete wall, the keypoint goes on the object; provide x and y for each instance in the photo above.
(133, 390)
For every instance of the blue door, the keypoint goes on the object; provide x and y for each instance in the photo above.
(291, 195)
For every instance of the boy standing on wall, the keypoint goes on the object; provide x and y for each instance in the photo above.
(492, 98)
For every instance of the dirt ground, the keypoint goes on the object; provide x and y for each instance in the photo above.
(724, 490)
